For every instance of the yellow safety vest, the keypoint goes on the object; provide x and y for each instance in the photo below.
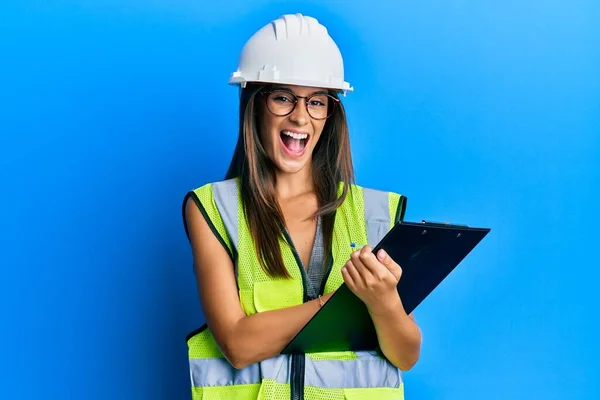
(364, 218)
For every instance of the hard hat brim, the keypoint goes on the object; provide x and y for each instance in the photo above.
(241, 81)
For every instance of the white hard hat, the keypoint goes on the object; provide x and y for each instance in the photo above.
(294, 50)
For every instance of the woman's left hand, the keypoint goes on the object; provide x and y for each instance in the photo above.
(373, 278)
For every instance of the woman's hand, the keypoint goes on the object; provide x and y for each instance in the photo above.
(373, 279)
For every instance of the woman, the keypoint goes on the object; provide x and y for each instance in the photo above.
(273, 241)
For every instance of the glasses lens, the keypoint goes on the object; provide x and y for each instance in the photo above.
(320, 106)
(280, 103)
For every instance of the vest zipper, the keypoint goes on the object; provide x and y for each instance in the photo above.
(297, 377)
(300, 266)
(327, 273)
(298, 360)
(329, 264)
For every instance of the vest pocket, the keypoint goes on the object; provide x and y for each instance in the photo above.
(276, 294)
(374, 393)
(240, 392)
(247, 301)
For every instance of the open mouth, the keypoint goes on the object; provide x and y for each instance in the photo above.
(294, 143)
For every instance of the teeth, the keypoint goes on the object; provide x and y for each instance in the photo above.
(295, 135)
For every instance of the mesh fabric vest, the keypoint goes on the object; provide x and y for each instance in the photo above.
(364, 218)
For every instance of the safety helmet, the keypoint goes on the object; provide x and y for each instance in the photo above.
(294, 50)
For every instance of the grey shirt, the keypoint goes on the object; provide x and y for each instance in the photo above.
(316, 268)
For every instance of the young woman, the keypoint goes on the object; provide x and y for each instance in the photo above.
(273, 241)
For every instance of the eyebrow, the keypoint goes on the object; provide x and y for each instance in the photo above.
(294, 93)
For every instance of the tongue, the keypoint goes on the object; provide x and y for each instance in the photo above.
(293, 144)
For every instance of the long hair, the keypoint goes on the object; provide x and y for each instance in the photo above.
(331, 166)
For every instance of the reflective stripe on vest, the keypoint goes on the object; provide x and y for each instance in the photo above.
(360, 372)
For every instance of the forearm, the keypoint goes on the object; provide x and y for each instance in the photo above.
(398, 335)
(263, 335)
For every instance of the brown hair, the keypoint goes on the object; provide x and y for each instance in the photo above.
(331, 165)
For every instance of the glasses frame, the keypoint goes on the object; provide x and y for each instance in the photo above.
(330, 106)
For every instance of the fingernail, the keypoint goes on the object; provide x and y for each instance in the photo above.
(382, 254)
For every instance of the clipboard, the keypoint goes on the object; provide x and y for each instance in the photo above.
(427, 252)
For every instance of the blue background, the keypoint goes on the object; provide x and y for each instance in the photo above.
(481, 112)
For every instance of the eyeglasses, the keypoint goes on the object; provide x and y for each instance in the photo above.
(282, 102)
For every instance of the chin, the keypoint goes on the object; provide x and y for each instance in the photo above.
(288, 167)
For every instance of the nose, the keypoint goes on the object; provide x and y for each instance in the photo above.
(300, 114)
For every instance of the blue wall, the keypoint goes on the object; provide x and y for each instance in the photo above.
(485, 113)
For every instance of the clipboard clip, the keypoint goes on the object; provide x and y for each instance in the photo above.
(446, 224)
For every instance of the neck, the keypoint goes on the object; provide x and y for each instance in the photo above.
(291, 185)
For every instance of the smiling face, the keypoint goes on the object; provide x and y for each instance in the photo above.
(292, 120)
